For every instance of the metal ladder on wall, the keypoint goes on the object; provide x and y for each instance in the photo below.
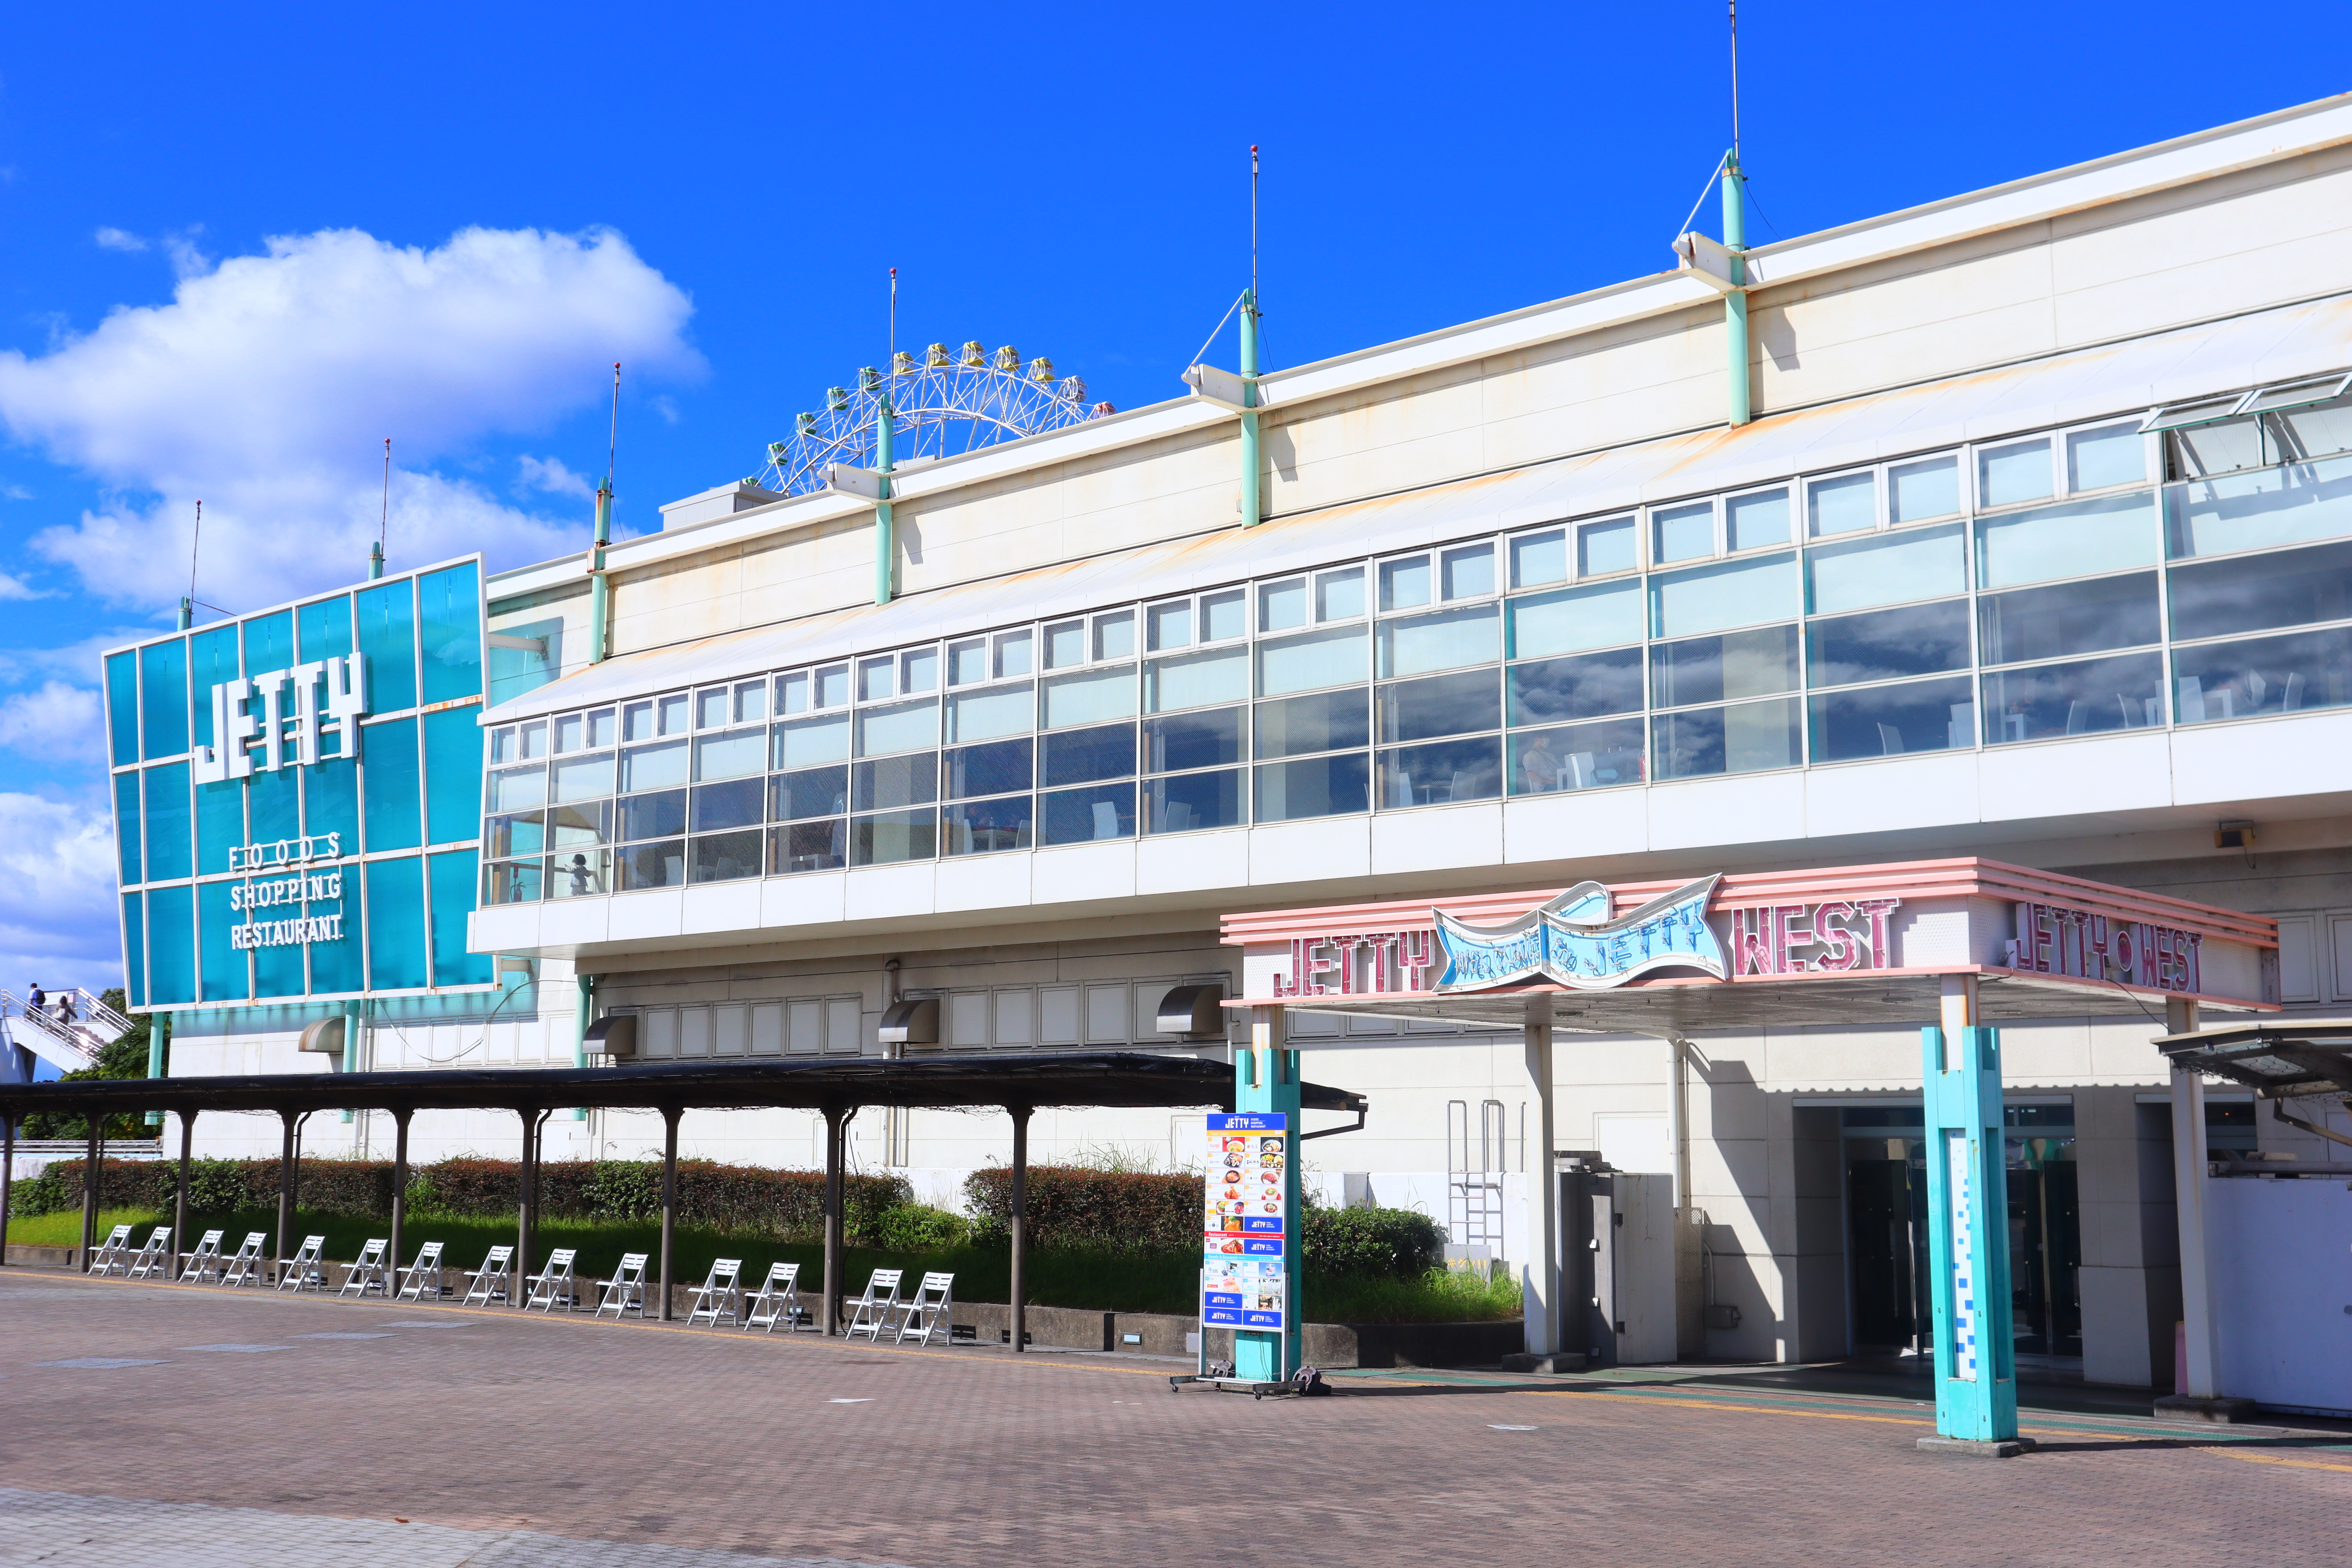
(1474, 1193)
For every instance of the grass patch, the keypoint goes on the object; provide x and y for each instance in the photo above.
(64, 1228)
(1440, 1295)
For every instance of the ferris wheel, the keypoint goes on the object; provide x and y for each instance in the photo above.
(941, 405)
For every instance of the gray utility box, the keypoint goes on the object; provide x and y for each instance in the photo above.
(1617, 1265)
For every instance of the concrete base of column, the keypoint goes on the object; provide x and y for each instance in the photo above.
(1978, 1448)
(2220, 1409)
(1562, 1361)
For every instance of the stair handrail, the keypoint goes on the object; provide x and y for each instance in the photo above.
(13, 1007)
(94, 1010)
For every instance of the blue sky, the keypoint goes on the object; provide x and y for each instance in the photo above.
(240, 248)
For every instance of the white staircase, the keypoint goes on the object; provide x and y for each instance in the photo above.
(67, 1031)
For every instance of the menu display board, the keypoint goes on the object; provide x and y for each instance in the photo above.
(1246, 1259)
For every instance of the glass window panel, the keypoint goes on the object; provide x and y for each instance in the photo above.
(1325, 721)
(730, 756)
(1319, 658)
(1896, 721)
(1282, 605)
(1886, 645)
(1447, 641)
(1193, 679)
(1079, 756)
(2068, 618)
(1404, 585)
(225, 975)
(2222, 449)
(793, 693)
(2307, 433)
(1448, 772)
(725, 856)
(1468, 570)
(513, 882)
(532, 740)
(1193, 741)
(1743, 739)
(1340, 595)
(279, 971)
(212, 660)
(2081, 699)
(134, 949)
(337, 967)
(1317, 786)
(453, 777)
(710, 708)
(504, 747)
(1577, 688)
(603, 728)
(269, 643)
(1577, 756)
(1065, 645)
(1928, 488)
(812, 791)
(809, 847)
(1571, 620)
(1193, 801)
(122, 708)
(587, 823)
(126, 829)
(395, 803)
(888, 783)
(387, 620)
(660, 815)
(163, 694)
(1723, 669)
(584, 778)
(2019, 471)
(1441, 705)
(330, 802)
(998, 768)
(2251, 593)
(893, 838)
(1096, 813)
(751, 701)
(876, 679)
(1013, 654)
(918, 670)
(1169, 625)
(1920, 563)
(395, 924)
(520, 833)
(171, 945)
(580, 874)
(1224, 615)
(653, 767)
(1735, 593)
(657, 864)
(1115, 635)
(1539, 558)
(220, 824)
(1846, 504)
(1610, 545)
(1091, 697)
(984, 827)
(902, 728)
(802, 741)
(738, 803)
(968, 662)
(637, 721)
(165, 790)
(2111, 455)
(985, 715)
(1757, 521)
(273, 804)
(450, 633)
(1682, 532)
(2069, 540)
(2290, 505)
(2263, 675)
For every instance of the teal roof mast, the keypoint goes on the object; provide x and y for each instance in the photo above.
(1735, 242)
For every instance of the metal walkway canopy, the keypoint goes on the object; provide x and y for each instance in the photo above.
(2280, 1059)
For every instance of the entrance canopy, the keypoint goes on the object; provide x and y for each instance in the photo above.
(1857, 944)
(2279, 1059)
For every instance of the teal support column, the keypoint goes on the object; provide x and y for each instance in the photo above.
(1253, 501)
(1968, 1237)
(583, 1015)
(1266, 1079)
(354, 1026)
(1735, 304)
(158, 1040)
(885, 542)
(600, 588)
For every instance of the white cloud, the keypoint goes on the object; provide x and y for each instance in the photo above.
(55, 717)
(16, 588)
(119, 239)
(59, 926)
(267, 385)
(550, 474)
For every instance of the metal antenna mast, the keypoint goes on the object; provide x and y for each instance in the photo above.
(1735, 80)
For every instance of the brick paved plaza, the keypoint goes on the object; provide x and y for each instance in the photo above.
(187, 1424)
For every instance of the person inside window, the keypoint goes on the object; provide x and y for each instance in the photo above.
(1540, 765)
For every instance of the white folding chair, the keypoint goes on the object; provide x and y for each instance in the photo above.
(421, 1281)
(204, 1262)
(490, 1281)
(370, 1273)
(624, 1292)
(306, 1270)
(244, 1268)
(155, 1258)
(554, 1283)
(931, 1310)
(113, 1253)
(778, 1301)
(872, 1310)
(720, 1293)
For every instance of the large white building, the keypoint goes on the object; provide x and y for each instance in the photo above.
(2037, 547)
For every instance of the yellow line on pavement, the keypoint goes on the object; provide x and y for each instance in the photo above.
(2282, 1460)
(1678, 1402)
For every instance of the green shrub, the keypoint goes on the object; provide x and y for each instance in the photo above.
(1075, 1206)
(1386, 1244)
(916, 1227)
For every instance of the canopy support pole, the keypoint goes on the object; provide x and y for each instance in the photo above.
(525, 1195)
(1539, 1286)
(400, 1116)
(2201, 1397)
(1020, 1226)
(180, 1193)
(89, 1163)
(670, 1114)
(292, 1122)
(836, 1121)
